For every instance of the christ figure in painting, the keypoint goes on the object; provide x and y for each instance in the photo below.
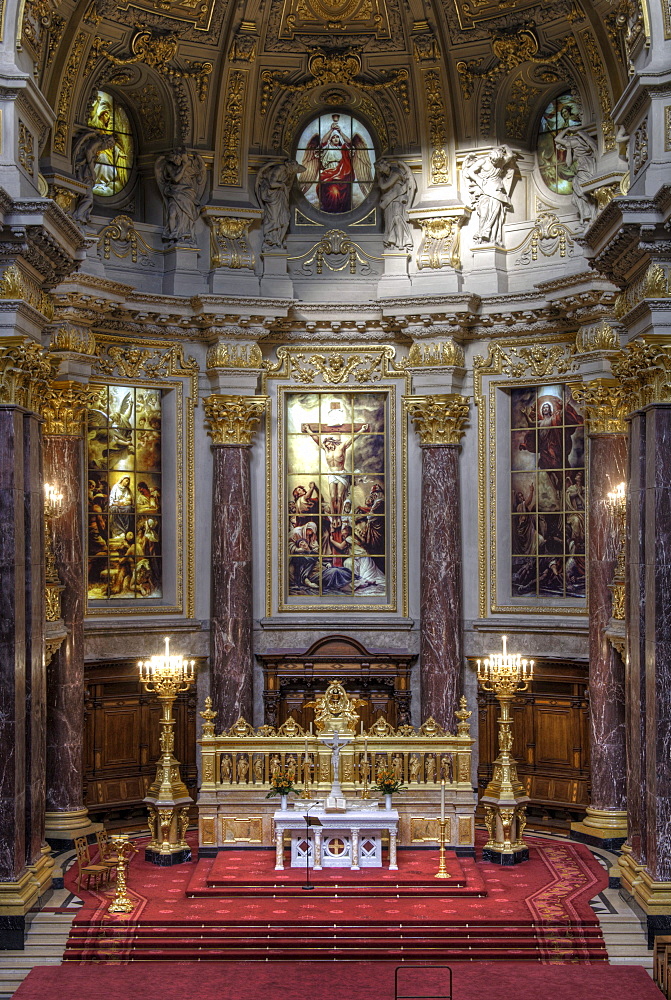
(335, 448)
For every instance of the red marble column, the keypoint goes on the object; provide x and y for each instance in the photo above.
(441, 599)
(605, 822)
(66, 814)
(232, 422)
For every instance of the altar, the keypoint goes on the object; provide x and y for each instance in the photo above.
(347, 839)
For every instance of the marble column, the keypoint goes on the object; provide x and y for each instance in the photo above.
(439, 421)
(232, 422)
(605, 823)
(66, 815)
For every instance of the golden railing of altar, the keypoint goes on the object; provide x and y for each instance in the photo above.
(237, 767)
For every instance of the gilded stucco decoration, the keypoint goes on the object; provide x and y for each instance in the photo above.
(606, 405)
(596, 337)
(639, 153)
(25, 373)
(439, 419)
(199, 15)
(447, 354)
(233, 420)
(644, 372)
(116, 358)
(439, 171)
(64, 405)
(441, 242)
(654, 283)
(342, 16)
(120, 238)
(158, 51)
(234, 356)
(603, 89)
(231, 139)
(14, 284)
(335, 368)
(335, 251)
(41, 30)
(65, 94)
(511, 50)
(73, 340)
(229, 246)
(548, 237)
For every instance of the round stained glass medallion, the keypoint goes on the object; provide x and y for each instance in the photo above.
(338, 155)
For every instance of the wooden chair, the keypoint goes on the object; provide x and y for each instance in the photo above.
(99, 873)
(661, 963)
(106, 855)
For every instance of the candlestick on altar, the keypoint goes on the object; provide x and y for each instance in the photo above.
(442, 870)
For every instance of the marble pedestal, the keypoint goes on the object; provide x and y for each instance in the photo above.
(351, 829)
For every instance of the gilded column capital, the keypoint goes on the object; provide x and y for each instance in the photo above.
(63, 408)
(25, 373)
(644, 372)
(439, 419)
(73, 339)
(606, 405)
(233, 419)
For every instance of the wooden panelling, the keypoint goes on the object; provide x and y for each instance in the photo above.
(121, 737)
(551, 741)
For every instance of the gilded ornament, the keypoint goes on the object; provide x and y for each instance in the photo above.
(234, 356)
(157, 51)
(519, 107)
(424, 44)
(337, 252)
(335, 16)
(73, 340)
(539, 359)
(336, 368)
(441, 242)
(601, 81)
(511, 50)
(52, 600)
(231, 140)
(233, 419)
(440, 419)
(64, 406)
(148, 103)
(228, 242)
(639, 155)
(549, 236)
(14, 284)
(26, 153)
(606, 405)
(596, 337)
(644, 372)
(64, 197)
(125, 361)
(655, 283)
(439, 171)
(667, 128)
(243, 46)
(447, 354)
(25, 374)
(121, 239)
(65, 94)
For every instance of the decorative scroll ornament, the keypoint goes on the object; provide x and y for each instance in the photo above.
(228, 242)
(241, 728)
(233, 419)
(596, 337)
(335, 710)
(511, 50)
(25, 374)
(644, 372)
(439, 419)
(548, 236)
(606, 405)
(231, 140)
(64, 406)
(120, 238)
(234, 356)
(539, 359)
(65, 94)
(441, 242)
(342, 67)
(125, 361)
(444, 355)
(334, 367)
(158, 51)
(336, 251)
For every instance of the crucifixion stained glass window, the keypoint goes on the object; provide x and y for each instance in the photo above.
(124, 494)
(335, 513)
(548, 493)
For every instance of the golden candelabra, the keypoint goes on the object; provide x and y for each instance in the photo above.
(442, 870)
(122, 903)
(617, 505)
(167, 799)
(55, 630)
(505, 800)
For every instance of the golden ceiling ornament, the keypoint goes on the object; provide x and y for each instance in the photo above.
(233, 419)
(606, 405)
(64, 406)
(340, 16)
(157, 50)
(439, 419)
(511, 49)
(343, 67)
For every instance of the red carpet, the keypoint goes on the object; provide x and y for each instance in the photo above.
(236, 907)
(326, 981)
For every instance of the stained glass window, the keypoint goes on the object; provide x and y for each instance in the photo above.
(336, 534)
(338, 156)
(557, 167)
(124, 494)
(113, 165)
(548, 493)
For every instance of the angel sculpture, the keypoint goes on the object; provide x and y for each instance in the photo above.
(337, 164)
(88, 147)
(180, 176)
(273, 190)
(489, 179)
(397, 190)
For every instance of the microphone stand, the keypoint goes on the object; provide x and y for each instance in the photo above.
(309, 821)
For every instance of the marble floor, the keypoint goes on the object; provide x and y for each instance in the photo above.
(50, 926)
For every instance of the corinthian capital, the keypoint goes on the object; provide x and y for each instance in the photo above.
(25, 373)
(233, 419)
(63, 408)
(439, 419)
(606, 405)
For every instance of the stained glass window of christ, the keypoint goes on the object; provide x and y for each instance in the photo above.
(338, 156)
(335, 524)
(548, 488)
(124, 494)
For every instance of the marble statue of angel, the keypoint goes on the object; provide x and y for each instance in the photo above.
(397, 191)
(88, 146)
(273, 189)
(489, 181)
(180, 175)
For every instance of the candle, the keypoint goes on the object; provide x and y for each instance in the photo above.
(306, 748)
(310, 729)
(442, 801)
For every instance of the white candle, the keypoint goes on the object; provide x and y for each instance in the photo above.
(442, 801)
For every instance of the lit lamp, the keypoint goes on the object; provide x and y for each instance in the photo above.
(617, 505)
(55, 631)
(167, 800)
(505, 800)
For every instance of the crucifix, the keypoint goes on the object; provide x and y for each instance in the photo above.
(336, 743)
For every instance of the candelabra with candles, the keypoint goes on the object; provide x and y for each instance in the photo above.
(505, 800)
(53, 504)
(617, 505)
(167, 799)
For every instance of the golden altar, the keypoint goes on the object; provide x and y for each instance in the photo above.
(237, 767)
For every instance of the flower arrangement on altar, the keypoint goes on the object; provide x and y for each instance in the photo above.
(281, 783)
(388, 781)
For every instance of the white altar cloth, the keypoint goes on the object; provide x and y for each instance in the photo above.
(350, 839)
